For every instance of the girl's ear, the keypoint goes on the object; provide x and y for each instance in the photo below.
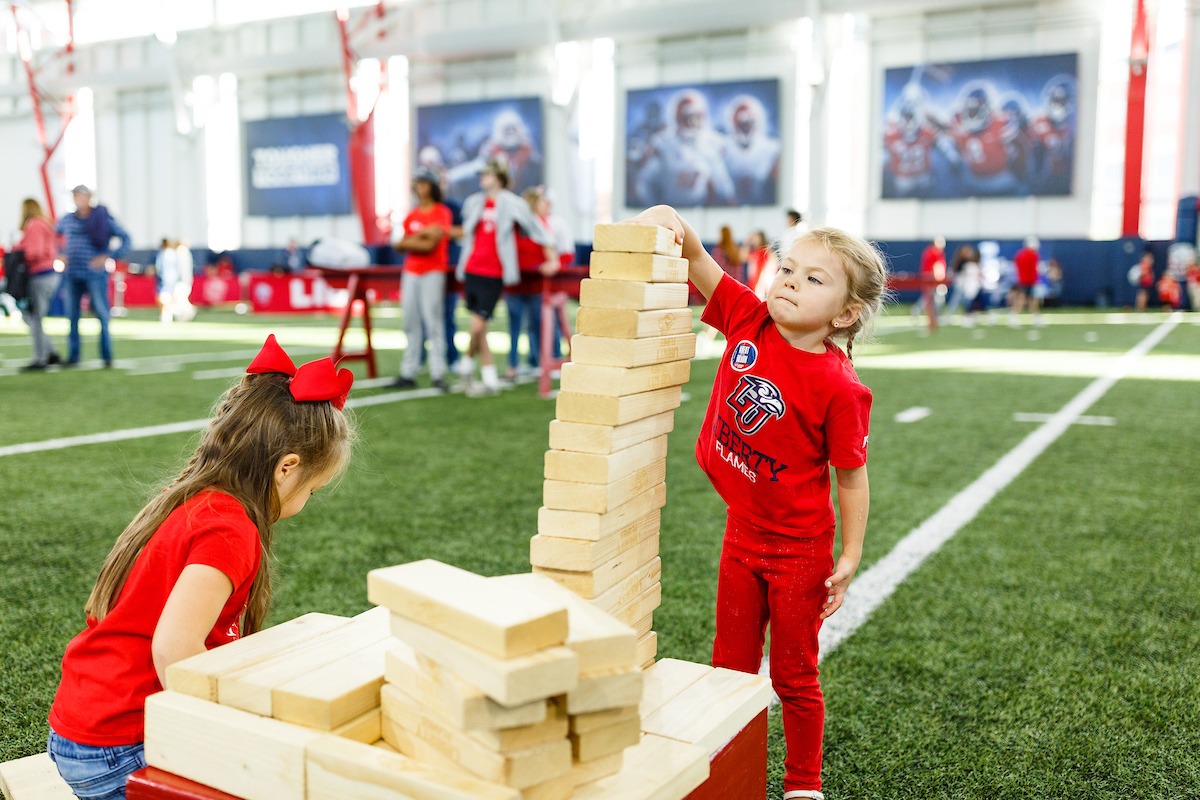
(287, 466)
(848, 316)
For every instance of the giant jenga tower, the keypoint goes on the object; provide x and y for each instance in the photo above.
(606, 467)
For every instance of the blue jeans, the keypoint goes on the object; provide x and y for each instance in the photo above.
(523, 307)
(95, 773)
(95, 283)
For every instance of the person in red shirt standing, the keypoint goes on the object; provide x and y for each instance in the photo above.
(192, 570)
(1022, 294)
(933, 273)
(785, 405)
(40, 245)
(423, 285)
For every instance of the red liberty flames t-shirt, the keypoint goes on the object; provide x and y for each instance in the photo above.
(108, 671)
(484, 260)
(1026, 262)
(777, 418)
(437, 259)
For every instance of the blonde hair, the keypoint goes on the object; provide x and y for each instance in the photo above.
(866, 276)
(254, 425)
(30, 209)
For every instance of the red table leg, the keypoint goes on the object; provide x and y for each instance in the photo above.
(739, 769)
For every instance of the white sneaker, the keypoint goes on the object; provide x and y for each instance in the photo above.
(465, 366)
(812, 794)
(491, 380)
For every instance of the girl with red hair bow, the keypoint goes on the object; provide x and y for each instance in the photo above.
(192, 570)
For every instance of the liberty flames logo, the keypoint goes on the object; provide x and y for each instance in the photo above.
(755, 400)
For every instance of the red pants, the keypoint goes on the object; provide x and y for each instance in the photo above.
(771, 576)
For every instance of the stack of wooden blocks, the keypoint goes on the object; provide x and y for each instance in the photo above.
(606, 468)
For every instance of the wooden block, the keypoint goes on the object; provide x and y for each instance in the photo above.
(250, 688)
(607, 575)
(610, 352)
(431, 739)
(582, 437)
(620, 381)
(339, 769)
(335, 694)
(511, 681)
(552, 729)
(564, 465)
(608, 689)
(637, 295)
(656, 768)
(606, 741)
(584, 555)
(589, 525)
(644, 625)
(444, 693)
(647, 649)
(666, 679)
(600, 409)
(198, 675)
(504, 622)
(641, 606)
(711, 710)
(587, 771)
(630, 587)
(648, 267)
(252, 757)
(628, 323)
(605, 717)
(560, 788)
(363, 729)
(34, 777)
(628, 238)
(602, 498)
(598, 640)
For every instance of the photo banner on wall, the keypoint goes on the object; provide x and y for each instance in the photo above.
(1000, 128)
(455, 140)
(298, 166)
(707, 144)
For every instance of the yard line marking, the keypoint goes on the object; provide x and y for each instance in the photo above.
(1022, 416)
(914, 414)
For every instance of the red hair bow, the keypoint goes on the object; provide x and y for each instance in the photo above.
(316, 380)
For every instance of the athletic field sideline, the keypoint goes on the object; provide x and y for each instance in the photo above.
(1023, 623)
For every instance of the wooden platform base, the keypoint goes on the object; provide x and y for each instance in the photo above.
(739, 769)
(156, 784)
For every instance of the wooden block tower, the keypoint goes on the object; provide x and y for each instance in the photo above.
(605, 470)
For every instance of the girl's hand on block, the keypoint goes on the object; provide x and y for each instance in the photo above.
(836, 585)
(665, 216)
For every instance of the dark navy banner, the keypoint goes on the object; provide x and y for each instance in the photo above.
(1001, 128)
(298, 166)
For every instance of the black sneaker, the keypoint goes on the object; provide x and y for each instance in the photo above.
(54, 358)
(34, 367)
(404, 383)
(441, 385)
(108, 363)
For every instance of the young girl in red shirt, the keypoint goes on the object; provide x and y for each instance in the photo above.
(192, 570)
(785, 405)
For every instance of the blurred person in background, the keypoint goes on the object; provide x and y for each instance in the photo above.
(39, 244)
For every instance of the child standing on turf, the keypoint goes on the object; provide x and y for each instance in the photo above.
(786, 404)
(191, 571)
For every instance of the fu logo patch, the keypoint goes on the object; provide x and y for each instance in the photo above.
(755, 400)
(744, 356)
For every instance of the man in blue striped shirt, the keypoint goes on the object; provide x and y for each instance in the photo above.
(86, 266)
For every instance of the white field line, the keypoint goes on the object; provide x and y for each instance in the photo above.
(1022, 416)
(914, 414)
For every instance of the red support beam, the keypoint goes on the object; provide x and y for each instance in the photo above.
(1135, 122)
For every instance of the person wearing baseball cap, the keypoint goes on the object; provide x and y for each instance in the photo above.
(87, 235)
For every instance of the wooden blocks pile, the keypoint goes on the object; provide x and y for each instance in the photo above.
(605, 470)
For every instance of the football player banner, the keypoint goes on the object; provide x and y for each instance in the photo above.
(298, 166)
(1001, 127)
(714, 144)
(457, 139)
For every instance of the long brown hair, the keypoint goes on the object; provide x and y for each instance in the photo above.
(30, 209)
(254, 425)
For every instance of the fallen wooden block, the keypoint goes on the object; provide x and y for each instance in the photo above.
(584, 555)
(630, 238)
(607, 741)
(250, 688)
(587, 771)
(340, 769)
(33, 778)
(504, 622)
(636, 295)
(449, 696)
(333, 695)
(600, 409)
(592, 526)
(603, 718)
(596, 638)
(648, 267)
(607, 351)
(363, 729)
(666, 679)
(249, 756)
(199, 674)
(428, 738)
(564, 465)
(628, 323)
(602, 498)
(641, 606)
(560, 788)
(606, 689)
(552, 729)
(629, 587)
(711, 710)
(582, 437)
(609, 574)
(511, 681)
(647, 649)
(620, 381)
(655, 769)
